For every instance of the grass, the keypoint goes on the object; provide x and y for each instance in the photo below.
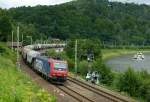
(15, 86)
(109, 53)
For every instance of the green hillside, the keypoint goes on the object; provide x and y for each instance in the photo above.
(16, 86)
(111, 22)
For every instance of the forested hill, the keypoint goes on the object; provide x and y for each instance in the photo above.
(109, 21)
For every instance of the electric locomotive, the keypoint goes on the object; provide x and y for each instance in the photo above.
(53, 69)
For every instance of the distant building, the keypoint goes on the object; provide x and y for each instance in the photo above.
(59, 49)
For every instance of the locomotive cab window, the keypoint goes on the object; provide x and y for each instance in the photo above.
(60, 66)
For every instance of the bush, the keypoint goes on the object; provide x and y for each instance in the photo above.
(6, 52)
(70, 64)
(144, 74)
(147, 99)
(106, 76)
(2, 49)
(83, 67)
(144, 90)
(130, 82)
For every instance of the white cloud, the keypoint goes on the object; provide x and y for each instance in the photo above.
(16, 3)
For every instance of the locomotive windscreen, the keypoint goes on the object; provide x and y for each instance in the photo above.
(60, 65)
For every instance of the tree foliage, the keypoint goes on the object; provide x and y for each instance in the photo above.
(136, 84)
(106, 75)
(83, 67)
(84, 46)
(5, 27)
(52, 53)
(130, 82)
(111, 22)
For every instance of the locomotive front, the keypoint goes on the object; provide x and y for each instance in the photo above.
(59, 70)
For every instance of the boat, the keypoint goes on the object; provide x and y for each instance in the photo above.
(139, 56)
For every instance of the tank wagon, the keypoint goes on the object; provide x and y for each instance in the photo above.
(24, 53)
(31, 56)
(54, 69)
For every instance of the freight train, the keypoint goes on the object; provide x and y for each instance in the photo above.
(54, 69)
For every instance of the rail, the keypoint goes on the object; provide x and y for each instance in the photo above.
(98, 91)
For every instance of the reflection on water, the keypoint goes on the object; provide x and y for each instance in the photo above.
(122, 63)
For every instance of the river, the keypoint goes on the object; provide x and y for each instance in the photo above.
(122, 63)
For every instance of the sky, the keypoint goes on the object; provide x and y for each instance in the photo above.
(16, 3)
(134, 1)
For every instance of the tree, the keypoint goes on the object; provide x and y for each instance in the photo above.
(5, 28)
(52, 53)
(92, 46)
(107, 21)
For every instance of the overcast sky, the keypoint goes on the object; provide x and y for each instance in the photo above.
(16, 3)
(134, 1)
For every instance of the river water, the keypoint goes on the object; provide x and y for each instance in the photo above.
(122, 63)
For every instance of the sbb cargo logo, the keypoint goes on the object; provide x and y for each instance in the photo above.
(39, 65)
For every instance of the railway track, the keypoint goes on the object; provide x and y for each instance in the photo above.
(98, 91)
(76, 95)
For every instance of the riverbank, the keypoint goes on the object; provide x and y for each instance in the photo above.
(130, 78)
(109, 53)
